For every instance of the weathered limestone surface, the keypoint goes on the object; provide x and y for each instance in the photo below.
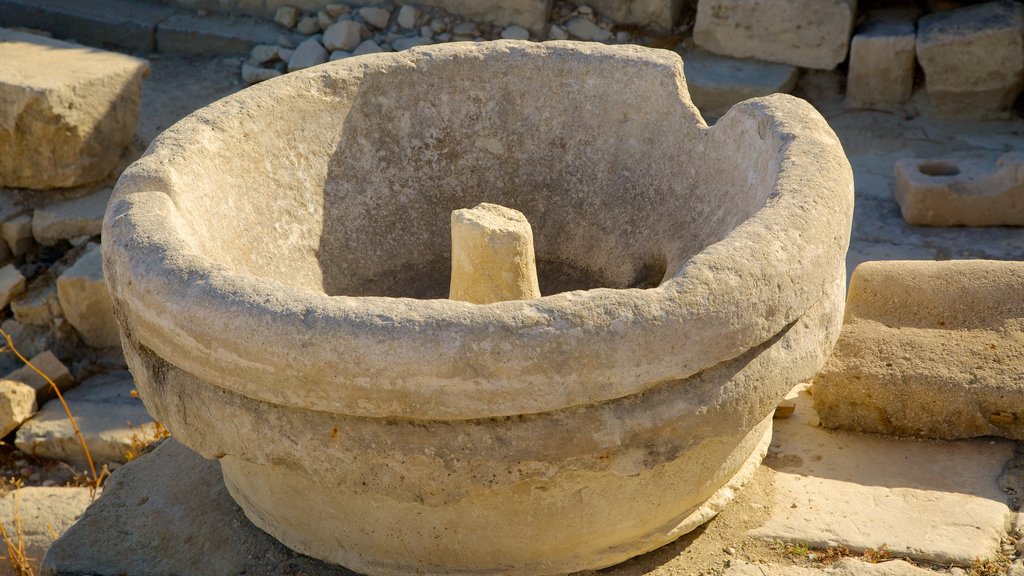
(931, 501)
(844, 567)
(71, 218)
(108, 416)
(85, 301)
(68, 111)
(394, 398)
(973, 59)
(23, 390)
(962, 191)
(929, 349)
(172, 515)
(42, 512)
(12, 284)
(38, 306)
(806, 33)
(17, 232)
(716, 83)
(492, 255)
(882, 65)
(121, 23)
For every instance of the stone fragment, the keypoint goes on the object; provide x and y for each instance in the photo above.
(412, 42)
(69, 111)
(86, 303)
(805, 33)
(935, 501)
(973, 59)
(344, 35)
(287, 16)
(39, 306)
(39, 514)
(515, 33)
(255, 74)
(23, 390)
(556, 32)
(882, 64)
(308, 25)
(969, 190)
(263, 53)
(367, 47)
(192, 35)
(309, 53)
(408, 16)
(17, 232)
(929, 349)
(585, 29)
(12, 284)
(70, 219)
(716, 83)
(492, 255)
(324, 19)
(337, 10)
(469, 29)
(158, 504)
(376, 16)
(111, 420)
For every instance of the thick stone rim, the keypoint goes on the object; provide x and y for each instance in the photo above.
(378, 357)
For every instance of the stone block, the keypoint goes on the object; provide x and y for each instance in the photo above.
(658, 14)
(929, 349)
(17, 233)
(118, 23)
(973, 59)
(717, 82)
(86, 303)
(806, 33)
(212, 35)
(962, 191)
(12, 284)
(345, 35)
(492, 255)
(70, 111)
(308, 54)
(71, 218)
(40, 514)
(938, 502)
(111, 420)
(23, 390)
(882, 65)
(39, 306)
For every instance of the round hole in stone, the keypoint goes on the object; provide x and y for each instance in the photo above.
(939, 169)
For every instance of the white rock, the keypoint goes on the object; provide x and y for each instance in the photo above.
(324, 19)
(882, 65)
(18, 234)
(339, 55)
(438, 25)
(805, 33)
(515, 33)
(39, 306)
(406, 43)
(308, 25)
(426, 32)
(408, 16)
(337, 10)
(42, 513)
(23, 390)
(110, 420)
(86, 303)
(309, 53)
(263, 53)
(466, 29)
(285, 54)
(367, 47)
(584, 29)
(287, 16)
(70, 219)
(255, 74)
(556, 32)
(344, 35)
(12, 284)
(375, 16)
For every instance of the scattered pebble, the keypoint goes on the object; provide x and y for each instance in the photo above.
(515, 33)
(344, 35)
(367, 47)
(308, 25)
(408, 16)
(376, 17)
(287, 16)
(308, 54)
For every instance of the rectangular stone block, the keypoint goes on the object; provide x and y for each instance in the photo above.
(973, 59)
(86, 303)
(118, 23)
(806, 33)
(70, 218)
(717, 82)
(17, 233)
(12, 283)
(213, 35)
(971, 190)
(882, 64)
(929, 349)
(21, 391)
(69, 111)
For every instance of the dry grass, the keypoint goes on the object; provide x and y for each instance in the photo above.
(143, 438)
(20, 562)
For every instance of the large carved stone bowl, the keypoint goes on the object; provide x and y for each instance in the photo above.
(279, 260)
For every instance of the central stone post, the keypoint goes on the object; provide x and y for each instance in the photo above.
(492, 256)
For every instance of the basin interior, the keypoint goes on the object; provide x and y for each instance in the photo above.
(344, 183)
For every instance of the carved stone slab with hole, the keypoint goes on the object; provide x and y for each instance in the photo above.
(963, 191)
(279, 262)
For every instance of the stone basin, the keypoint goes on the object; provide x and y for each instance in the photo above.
(279, 264)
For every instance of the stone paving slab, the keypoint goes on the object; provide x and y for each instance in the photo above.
(212, 35)
(42, 514)
(118, 23)
(934, 501)
(844, 567)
